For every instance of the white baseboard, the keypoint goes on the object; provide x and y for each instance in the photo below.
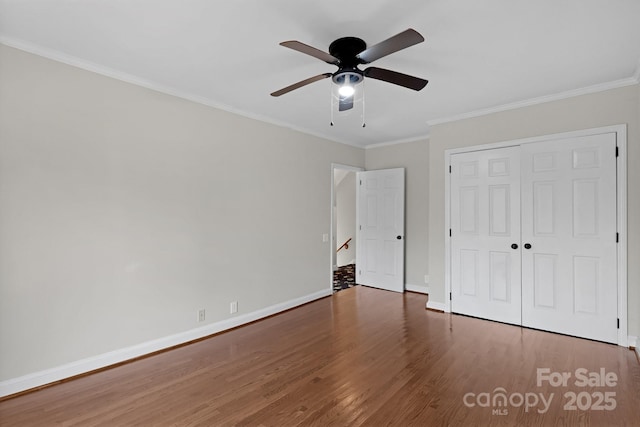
(37, 379)
(434, 305)
(416, 288)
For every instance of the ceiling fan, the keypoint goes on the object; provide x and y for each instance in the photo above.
(347, 53)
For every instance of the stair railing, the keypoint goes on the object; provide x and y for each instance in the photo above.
(344, 245)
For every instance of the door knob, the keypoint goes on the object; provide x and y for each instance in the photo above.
(399, 237)
(514, 246)
(527, 245)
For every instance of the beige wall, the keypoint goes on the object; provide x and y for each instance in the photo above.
(124, 211)
(414, 157)
(612, 107)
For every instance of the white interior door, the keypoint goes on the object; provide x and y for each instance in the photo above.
(485, 234)
(569, 278)
(380, 229)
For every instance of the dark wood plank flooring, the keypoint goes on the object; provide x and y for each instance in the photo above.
(360, 357)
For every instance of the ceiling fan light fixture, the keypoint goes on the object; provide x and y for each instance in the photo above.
(350, 77)
(347, 81)
(346, 90)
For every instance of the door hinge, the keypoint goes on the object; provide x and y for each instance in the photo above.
(449, 232)
(359, 272)
(360, 182)
(360, 227)
(617, 237)
(618, 323)
(449, 168)
(617, 152)
(450, 296)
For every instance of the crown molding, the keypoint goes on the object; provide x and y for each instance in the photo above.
(167, 90)
(424, 137)
(148, 84)
(636, 75)
(138, 81)
(635, 79)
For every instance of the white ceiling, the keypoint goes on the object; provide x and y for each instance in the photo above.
(478, 55)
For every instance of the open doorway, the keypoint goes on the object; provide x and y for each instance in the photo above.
(343, 226)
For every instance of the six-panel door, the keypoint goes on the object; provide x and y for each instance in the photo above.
(380, 232)
(569, 278)
(485, 229)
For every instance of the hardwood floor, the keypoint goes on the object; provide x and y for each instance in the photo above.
(360, 357)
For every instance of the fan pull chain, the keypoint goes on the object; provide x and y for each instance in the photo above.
(331, 100)
(363, 120)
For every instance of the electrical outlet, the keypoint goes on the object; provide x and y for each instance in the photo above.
(233, 307)
(201, 315)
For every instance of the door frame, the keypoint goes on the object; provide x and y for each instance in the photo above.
(332, 234)
(621, 197)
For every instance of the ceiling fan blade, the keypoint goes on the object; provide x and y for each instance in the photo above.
(393, 44)
(396, 78)
(300, 84)
(346, 103)
(312, 51)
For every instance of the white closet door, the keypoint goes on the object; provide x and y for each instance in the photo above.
(485, 223)
(569, 279)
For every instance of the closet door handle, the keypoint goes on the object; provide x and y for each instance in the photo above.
(514, 246)
(527, 245)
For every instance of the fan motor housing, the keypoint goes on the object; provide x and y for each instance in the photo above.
(346, 49)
